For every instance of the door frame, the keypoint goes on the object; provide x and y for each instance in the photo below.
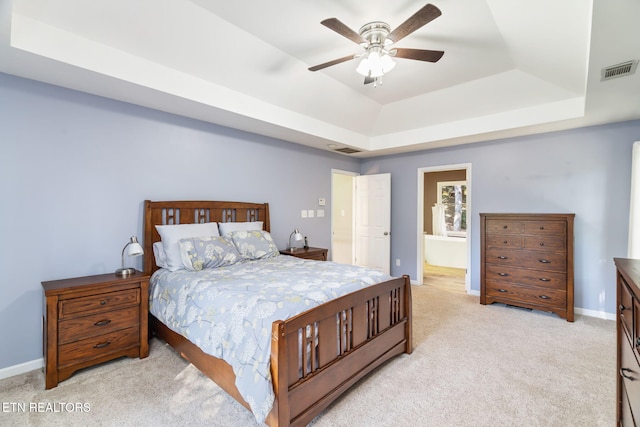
(420, 221)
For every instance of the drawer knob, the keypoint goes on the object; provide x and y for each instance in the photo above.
(505, 242)
(102, 344)
(503, 257)
(544, 261)
(103, 302)
(544, 279)
(638, 342)
(503, 274)
(541, 243)
(504, 226)
(102, 322)
(502, 290)
(541, 227)
(544, 297)
(623, 373)
(622, 307)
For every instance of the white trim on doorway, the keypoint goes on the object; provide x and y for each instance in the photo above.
(420, 216)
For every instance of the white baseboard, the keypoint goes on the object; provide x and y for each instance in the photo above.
(595, 313)
(21, 368)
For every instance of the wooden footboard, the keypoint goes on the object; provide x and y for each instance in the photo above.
(319, 354)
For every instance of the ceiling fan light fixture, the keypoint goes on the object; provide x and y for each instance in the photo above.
(375, 65)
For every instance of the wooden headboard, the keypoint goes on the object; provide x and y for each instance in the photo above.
(194, 212)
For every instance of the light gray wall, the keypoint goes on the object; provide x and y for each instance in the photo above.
(584, 171)
(69, 204)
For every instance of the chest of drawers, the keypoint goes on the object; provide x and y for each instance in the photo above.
(89, 320)
(527, 261)
(628, 341)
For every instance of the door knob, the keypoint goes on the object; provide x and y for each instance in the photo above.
(386, 233)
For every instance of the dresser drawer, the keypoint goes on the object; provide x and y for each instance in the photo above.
(545, 243)
(504, 241)
(630, 373)
(504, 226)
(530, 295)
(98, 303)
(539, 278)
(527, 259)
(100, 345)
(626, 307)
(548, 228)
(97, 324)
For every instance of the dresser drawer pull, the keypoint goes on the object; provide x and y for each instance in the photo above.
(544, 279)
(102, 322)
(541, 243)
(622, 307)
(503, 257)
(102, 344)
(503, 274)
(623, 372)
(505, 242)
(541, 228)
(505, 227)
(502, 290)
(103, 302)
(544, 261)
(638, 342)
(543, 297)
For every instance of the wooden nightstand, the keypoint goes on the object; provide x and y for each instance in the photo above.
(318, 254)
(93, 319)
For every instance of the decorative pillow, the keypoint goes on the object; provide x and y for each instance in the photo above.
(208, 252)
(172, 234)
(254, 244)
(229, 227)
(158, 254)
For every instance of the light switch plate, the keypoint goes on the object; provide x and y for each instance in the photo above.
(320, 213)
(303, 213)
(311, 213)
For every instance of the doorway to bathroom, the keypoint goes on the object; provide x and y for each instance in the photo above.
(444, 197)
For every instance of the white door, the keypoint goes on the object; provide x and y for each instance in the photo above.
(373, 221)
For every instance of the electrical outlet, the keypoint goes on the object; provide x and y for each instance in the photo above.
(397, 262)
(322, 201)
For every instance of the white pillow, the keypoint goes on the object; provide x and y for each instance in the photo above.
(158, 254)
(228, 227)
(171, 235)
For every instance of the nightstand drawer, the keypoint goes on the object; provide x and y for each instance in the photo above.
(101, 345)
(97, 324)
(98, 303)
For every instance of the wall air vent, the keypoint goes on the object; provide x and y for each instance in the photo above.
(619, 70)
(346, 150)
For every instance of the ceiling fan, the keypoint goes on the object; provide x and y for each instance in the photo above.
(376, 38)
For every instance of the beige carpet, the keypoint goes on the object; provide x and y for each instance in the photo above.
(473, 365)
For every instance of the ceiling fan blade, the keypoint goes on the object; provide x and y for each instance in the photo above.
(330, 63)
(419, 54)
(422, 17)
(337, 26)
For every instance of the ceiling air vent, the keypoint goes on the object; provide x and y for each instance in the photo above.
(346, 150)
(619, 70)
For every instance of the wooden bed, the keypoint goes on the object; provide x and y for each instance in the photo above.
(374, 326)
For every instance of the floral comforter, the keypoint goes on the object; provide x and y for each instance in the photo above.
(228, 311)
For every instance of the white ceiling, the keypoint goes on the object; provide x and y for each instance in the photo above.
(511, 67)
